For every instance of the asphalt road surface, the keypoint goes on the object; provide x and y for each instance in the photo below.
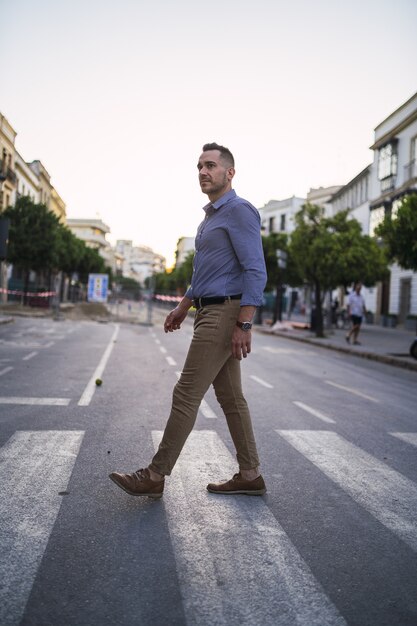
(333, 542)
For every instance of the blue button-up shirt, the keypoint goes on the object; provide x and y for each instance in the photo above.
(229, 258)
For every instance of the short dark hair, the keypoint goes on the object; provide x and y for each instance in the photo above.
(225, 153)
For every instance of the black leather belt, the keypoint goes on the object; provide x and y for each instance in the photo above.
(200, 302)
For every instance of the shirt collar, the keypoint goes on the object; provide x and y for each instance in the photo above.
(220, 201)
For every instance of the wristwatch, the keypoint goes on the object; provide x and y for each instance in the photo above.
(244, 325)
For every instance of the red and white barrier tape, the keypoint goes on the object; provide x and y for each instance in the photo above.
(43, 294)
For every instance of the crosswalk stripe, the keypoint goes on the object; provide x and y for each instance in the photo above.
(407, 437)
(35, 467)
(388, 495)
(35, 401)
(223, 544)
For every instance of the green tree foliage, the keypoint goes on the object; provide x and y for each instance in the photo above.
(178, 280)
(332, 251)
(399, 234)
(39, 242)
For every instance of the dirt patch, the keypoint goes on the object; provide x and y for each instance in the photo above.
(85, 310)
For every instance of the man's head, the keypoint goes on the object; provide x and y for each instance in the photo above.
(358, 286)
(216, 167)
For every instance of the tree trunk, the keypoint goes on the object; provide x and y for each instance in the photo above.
(319, 310)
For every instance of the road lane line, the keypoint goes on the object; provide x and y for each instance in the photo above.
(350, 390)
(235, 564)
(49, 344)
(261, 382)
(91, 386)
(29, 507)
(410, 438)
(388, 495)
(163, 350)
(5, 370)
(171, 361)
(314, 412)
(29, 356)
(35, 401)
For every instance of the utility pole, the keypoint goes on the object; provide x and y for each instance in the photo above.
(282, 264)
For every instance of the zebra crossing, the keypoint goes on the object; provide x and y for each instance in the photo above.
(235, 562)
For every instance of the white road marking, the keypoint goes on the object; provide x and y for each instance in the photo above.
(235, 564)
(163, 350)
(314, 412)
(91, 386)
(410, 438)
(350, 390)
(157, 341)
(285, 350)
(261, 382)
(35, 467)
(5, 370)
(386, 494)
(29, 356)
(171, 361)
(35, 401)
(49, 344)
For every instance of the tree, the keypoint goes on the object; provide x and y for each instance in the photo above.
(332, 251)
(399, 234)
(33, 237)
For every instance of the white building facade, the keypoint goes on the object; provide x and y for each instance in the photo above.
(394, 176)
(277, 216)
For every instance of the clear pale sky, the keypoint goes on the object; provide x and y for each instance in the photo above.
(117, 98)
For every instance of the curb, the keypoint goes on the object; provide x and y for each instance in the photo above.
(6, 320)
(370, 356)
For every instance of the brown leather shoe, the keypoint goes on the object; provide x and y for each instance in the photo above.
(139, 483)
(237, 484)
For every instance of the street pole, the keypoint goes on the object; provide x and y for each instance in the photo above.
(282, 264)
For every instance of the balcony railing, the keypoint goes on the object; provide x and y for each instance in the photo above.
(6, 173)
(388, 184)
(410, 170)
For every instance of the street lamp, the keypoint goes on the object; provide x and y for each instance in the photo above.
(282, 264)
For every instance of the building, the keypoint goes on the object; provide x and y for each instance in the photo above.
(277, 216)
(321, 196)
(394, 176)
(139, 262)
(92, 231)
(27, 181)
(8, 179)
(185, 245)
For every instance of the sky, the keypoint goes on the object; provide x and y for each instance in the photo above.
(117, 98)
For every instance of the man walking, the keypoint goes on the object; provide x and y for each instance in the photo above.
(355, 309)
(226, 287)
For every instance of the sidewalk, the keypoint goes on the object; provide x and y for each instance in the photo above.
(386, 345)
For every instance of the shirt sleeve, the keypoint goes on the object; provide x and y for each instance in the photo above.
(244, 229)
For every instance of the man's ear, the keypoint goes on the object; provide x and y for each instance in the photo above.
(230, 173)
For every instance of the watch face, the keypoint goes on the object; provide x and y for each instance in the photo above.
(245, 325)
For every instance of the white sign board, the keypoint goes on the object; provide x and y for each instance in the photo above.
(98, 285)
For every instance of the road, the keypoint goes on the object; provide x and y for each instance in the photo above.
(333, 542)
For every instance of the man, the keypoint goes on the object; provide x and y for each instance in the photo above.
(355, 309)
(227, 285)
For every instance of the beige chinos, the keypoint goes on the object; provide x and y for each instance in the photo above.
(209, 361)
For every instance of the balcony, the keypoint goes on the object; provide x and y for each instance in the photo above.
(388, 184)
(6, 173)
(410, 170)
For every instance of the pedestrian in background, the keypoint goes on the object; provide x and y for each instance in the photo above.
(356, 309)
(227, 285)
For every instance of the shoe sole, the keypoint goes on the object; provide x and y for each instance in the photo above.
(155, 496)
(243, 492)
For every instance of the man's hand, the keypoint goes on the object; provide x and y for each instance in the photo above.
(241, 343)
(177, 316)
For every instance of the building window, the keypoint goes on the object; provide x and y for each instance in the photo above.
(282, 222)
(387, 161)
(376, 217)
(271, 224)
